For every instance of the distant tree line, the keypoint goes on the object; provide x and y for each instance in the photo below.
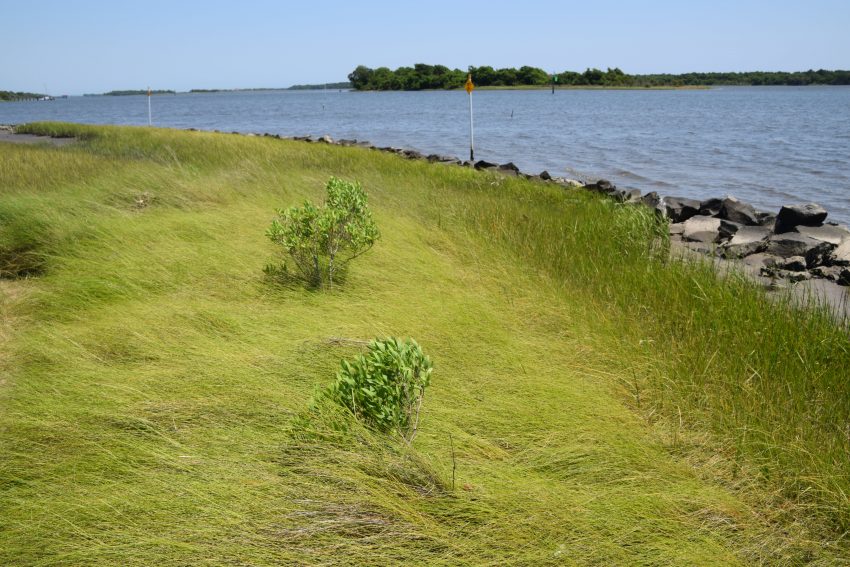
(12, 95)
(343, 85)
(422, 76)
(136, 92)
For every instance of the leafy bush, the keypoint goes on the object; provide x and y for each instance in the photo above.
(386, 386)
(322, 240)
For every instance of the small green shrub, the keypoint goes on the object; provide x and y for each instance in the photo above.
(386, 386)
(322, 240)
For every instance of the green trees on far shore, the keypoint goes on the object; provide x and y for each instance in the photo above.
(11, 95)
(422, 76)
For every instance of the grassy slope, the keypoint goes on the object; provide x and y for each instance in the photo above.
(151, 375)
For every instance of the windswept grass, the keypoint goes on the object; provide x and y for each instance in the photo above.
(604, 405)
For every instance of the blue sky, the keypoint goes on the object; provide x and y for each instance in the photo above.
(67, 47)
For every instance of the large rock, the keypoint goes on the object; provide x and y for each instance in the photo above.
(766, 219)
(680, 209)
(604, 185)
(791, 244)
(841, 255)
(792, 216)
(651, 199)
(545, 176)
(627, 195)
(654, 201)
(701, 229)
(832, 273)
(568, 183)
(728, 229)
(481, 164)
(794, 276)
(832, 234)
(759, 261)
(710, 207)
(737, 211)
(508, 169)
(794, 264)
(446, 160)
(746, 240)
(633, 195)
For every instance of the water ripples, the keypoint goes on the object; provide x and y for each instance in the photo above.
(769, 145)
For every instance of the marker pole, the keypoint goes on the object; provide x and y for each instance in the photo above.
(471, 132)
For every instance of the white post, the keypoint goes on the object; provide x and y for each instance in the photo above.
(150, 122)
(471, 132)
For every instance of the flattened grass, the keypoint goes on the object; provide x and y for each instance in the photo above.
(605, 406)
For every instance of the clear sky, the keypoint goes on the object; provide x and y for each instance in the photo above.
(65, 47)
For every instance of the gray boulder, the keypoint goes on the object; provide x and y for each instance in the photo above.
(728, 229)
(444, 159)
(701, 229)
(766, 219)
(628, 195)
(747, 240)
(544, 175)
(759, 261)
(737, 211)
(826, 233)
(794, 276)
(710, 207)
(680, 209)
(832, 273)
(651, 199)
(508, 169)
(655, 202)
(792, 216)
(841, 255)
(481, 164)
(325, 139)
(791, 244)
(604, 185)
(794, 264)
(634, 195)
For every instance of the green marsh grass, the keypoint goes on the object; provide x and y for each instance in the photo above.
(606, 405)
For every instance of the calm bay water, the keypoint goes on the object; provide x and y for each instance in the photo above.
(766, 145)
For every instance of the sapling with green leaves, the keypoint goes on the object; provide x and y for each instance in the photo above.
(321, 240)
(386, 386)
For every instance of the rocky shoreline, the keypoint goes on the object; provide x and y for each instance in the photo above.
(796, 244)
